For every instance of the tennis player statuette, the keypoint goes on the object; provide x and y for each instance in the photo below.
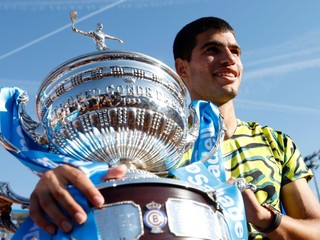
(98, 36)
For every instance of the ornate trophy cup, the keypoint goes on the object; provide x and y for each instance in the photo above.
(113, 107)
(118, 107)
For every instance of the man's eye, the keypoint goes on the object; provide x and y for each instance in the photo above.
(212, 49)
(236, 52)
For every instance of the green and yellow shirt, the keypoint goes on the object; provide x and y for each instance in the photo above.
(265, 157)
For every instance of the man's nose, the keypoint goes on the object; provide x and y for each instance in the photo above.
(227, 57)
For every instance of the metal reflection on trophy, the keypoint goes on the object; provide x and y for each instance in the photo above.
(114, 107)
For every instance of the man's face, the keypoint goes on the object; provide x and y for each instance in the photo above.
(215, 69)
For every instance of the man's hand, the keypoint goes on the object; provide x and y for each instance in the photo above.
(51, 192)
(255, 213)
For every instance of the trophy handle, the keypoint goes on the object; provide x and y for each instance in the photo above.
(33, 129)
(7, 144)
(193, 131)
(7, 198)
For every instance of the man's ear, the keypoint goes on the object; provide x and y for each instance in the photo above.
(182, 68)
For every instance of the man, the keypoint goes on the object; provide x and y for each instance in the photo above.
(207, 57)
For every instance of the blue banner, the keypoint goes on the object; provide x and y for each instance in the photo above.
(207, 169)
(228, 196)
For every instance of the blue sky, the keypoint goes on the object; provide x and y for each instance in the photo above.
(280, 43)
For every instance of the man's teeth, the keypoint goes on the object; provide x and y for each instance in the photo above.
(226, 74)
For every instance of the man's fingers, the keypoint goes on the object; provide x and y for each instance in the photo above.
(51, 196)
(78, 179)
(38, 216)
(116, 172)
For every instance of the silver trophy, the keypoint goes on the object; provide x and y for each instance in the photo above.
(128, 108)
(114, 107)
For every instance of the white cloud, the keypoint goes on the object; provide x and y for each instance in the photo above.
(281, 69)
(253, 104)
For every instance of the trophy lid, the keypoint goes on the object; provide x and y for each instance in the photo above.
(128, 65)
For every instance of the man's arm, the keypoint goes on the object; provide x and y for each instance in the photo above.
(302, 209)
(51, 193)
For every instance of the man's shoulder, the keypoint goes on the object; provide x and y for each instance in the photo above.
(267, 133)
(256, 127)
